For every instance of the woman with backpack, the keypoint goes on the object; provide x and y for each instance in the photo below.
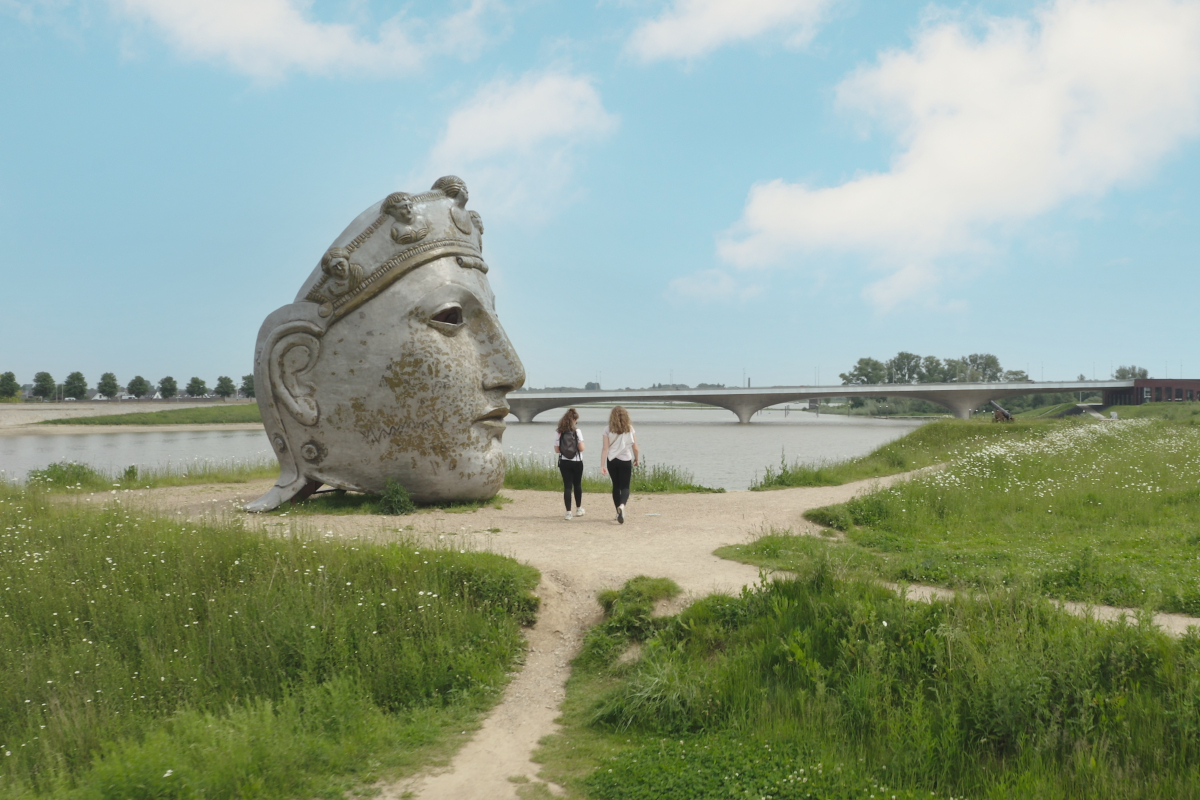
(619, 455)
(568, 443)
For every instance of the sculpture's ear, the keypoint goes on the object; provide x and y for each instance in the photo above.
(291, 358)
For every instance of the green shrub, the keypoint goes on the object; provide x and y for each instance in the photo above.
(628, 617)
(996, 696)
(395, 500)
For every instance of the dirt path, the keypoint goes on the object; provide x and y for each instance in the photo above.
(665, 535)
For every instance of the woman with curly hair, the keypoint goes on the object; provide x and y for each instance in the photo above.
(618, 457)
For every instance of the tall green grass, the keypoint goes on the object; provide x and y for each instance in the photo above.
(932, 443)
(541, 473)
(71, 476)
(206, 415)
(1177, 411)
(147, 658)
(1105, 512)
(822, 686)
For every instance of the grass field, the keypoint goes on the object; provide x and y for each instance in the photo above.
(1105, 512)
(71, 477)
(1179, 412)
(242, 412)
(541, 473)
(1045, 412)
(827, 687)
(932, 443)
(143, 658)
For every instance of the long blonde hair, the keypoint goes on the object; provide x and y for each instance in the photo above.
(618, 421)
(567, 423)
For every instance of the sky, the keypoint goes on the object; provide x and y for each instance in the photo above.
(673, 190)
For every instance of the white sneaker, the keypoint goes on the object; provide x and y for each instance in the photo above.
(621, 514)
(579, 512)
(568, 515)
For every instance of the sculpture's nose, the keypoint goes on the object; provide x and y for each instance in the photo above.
(502, 367)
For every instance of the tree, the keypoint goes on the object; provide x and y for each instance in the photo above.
(248, 385)
(975, 368)
(139, 387)
(8, 385)
(1132, 372)
(168, 388)
(932, 370)
(44, 386)
(196, 388)
(867, 370)
(225, 388)
(1015, 376)
(108, 385)
(75, 386)
(904, 368)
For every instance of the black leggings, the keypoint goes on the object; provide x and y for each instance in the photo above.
(572, 472)
(621, 471)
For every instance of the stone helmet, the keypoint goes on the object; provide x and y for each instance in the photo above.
(391, 364)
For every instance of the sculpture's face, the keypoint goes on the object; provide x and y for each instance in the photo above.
(402, 210)
(338, 268)
(412, 386)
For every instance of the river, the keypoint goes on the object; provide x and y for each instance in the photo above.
(708, 442)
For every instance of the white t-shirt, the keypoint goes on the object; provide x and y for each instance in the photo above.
(620, 446)
(558, 443)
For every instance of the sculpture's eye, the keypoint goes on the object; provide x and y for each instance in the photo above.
(449, 319)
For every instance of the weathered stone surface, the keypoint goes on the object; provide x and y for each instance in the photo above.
(391, 362)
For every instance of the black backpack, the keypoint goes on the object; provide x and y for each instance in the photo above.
(568, 445)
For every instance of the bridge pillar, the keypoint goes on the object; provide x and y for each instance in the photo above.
(744, 410)
(525, 412)
(960, 404)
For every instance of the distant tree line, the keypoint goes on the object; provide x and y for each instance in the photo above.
(910, 368)
(76, 387)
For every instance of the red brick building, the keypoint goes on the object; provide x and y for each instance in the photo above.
(1154, 390)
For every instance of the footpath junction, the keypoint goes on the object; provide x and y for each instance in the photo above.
(959, 398)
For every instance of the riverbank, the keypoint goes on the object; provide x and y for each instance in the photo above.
(27, 414)
(42, 429)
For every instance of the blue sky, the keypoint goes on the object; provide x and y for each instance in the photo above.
(687, 190)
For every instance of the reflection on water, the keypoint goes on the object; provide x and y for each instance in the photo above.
(709, 443)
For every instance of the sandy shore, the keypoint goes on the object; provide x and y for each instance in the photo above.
(664, 535)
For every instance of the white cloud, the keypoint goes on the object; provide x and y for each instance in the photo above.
(693, 28)
(994, 130)
(268, 39)
(517, 142)
(710, 286)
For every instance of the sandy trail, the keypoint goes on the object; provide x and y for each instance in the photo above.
(665, 535)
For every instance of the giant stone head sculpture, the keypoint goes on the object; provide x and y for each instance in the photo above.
(391, 363)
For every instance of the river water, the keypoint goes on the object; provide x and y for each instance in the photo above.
(708, 442)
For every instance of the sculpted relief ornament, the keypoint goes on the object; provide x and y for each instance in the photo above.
(391, 363)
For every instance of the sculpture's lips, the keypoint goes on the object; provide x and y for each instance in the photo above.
(494, 418)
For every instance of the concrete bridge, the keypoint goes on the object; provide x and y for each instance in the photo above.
(959, 398)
